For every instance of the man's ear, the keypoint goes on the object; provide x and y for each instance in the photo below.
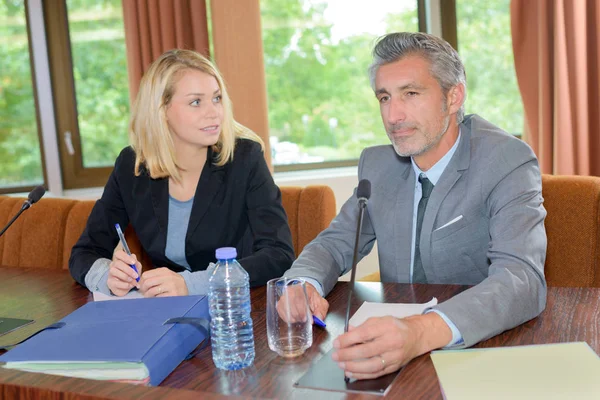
(455, 98)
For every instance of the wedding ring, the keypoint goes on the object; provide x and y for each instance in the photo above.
(159, 290)
(382, 362)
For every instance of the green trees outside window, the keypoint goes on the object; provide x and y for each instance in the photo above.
(485, 46)
(316, 52)
(20, 156)
(321, 106)
(101, 84)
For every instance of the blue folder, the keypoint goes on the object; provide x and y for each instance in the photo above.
(128, 331)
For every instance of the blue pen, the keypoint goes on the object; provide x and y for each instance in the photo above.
(124, 242)
(318, 322)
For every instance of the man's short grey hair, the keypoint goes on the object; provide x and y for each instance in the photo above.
(446, 66)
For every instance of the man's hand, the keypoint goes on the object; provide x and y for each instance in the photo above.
(318, 305)
(162, 282)
(382, 345)
(291, 307)
(121, 277)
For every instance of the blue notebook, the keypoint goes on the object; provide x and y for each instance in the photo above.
(129, 340)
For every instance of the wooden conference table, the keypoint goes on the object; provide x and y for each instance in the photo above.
(572, 314)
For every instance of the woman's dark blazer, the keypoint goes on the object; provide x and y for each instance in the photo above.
(236, 205)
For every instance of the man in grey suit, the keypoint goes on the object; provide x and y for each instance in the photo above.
(455, 200)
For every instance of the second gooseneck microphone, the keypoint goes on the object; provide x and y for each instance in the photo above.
(34, 196)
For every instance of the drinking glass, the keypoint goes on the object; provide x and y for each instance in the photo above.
(289, 320)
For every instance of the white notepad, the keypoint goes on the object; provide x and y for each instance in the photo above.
(134, 294)
(398, 310)
(549, 372)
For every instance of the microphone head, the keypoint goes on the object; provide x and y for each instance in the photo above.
(364, 189)
(36, 194)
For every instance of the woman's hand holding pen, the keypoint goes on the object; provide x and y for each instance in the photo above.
(161, 282)
(121, 277)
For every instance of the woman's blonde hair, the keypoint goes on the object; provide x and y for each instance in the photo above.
(149, 133)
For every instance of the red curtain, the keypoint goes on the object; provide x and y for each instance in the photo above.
(556, 50)
(155, 26)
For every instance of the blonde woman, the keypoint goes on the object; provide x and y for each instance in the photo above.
(193, 180)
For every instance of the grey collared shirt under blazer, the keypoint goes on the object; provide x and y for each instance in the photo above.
(499, 245)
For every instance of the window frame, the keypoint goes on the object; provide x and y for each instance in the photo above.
(74, 174)
(449, 23)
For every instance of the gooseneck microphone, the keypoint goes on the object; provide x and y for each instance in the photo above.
(363, 192)
(34, 196)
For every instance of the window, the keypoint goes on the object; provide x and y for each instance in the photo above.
(20, 153)
(321, 110)
(86, 39)
(485, 46)
(321, 106)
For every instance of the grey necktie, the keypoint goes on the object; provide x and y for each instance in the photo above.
(418, 271)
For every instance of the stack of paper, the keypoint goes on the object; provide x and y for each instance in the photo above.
(398, 310)
(551, 371)
(114, 371)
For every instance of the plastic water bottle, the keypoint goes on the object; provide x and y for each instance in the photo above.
(232, 338)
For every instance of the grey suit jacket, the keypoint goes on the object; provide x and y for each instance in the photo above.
(499, 245)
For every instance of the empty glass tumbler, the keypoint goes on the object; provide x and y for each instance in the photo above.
(289, 320)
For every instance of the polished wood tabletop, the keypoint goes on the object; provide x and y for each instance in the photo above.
(572, 314)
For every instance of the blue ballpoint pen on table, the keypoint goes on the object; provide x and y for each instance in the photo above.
(124, 242)
(318, 322)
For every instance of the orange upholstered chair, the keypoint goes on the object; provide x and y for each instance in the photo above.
(36, 239)
(309, 211)
(43, 236)
(572, 227)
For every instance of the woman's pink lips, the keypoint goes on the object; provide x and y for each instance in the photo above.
(210, 129)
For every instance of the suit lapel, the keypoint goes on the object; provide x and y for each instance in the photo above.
(402, 230)
(211, 181)
(459, 162)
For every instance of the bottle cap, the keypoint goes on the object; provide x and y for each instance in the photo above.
(226, 253)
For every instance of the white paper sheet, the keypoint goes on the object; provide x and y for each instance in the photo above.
(131, 295)
(398, 310)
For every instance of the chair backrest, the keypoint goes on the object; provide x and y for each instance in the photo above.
(309, 209)
(44, 235)
(572, 226)
(36, 239)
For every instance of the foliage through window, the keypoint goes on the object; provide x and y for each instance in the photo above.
(485, 46)
(316, 52)
(321, 106)
(20, 156)
(100, 72)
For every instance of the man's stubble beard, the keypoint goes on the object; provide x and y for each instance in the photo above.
(430, 142)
